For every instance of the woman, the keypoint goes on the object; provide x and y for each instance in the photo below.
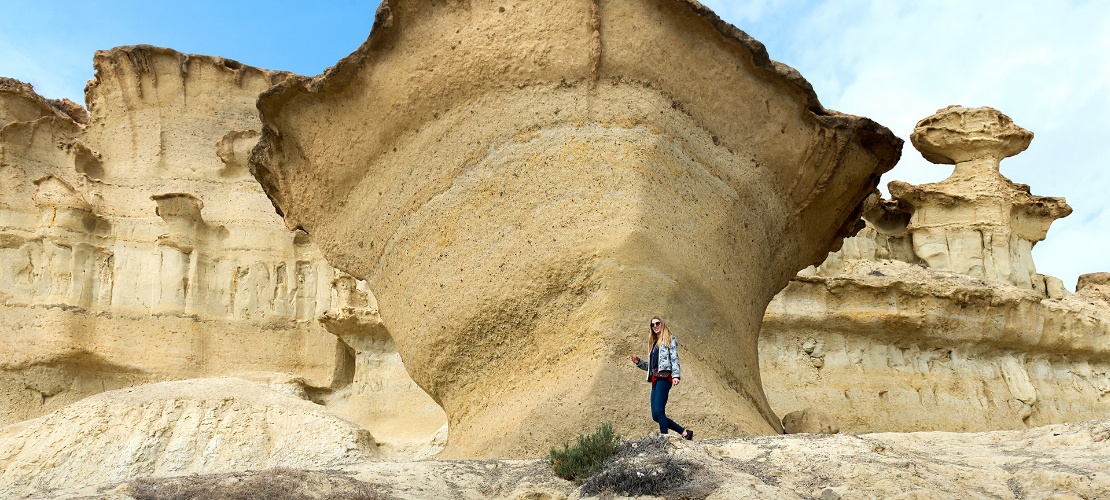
(663, 372)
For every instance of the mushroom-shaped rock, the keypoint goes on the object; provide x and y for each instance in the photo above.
(957, 134)
(976, 221)
(524, 183)
(62, 210)
(182, 212)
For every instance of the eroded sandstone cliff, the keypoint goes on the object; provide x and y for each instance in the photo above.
(524, 184)
(521, 213)
(137, 248)
(934, 317)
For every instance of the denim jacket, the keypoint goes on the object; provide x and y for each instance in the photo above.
(668, 360)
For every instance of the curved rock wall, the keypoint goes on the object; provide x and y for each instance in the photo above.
(128, 256)
(523, 184)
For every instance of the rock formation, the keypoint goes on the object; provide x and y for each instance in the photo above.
(172, 429)
(934, 317)
(135, 247)
(976, 222)
(524, 184)
(522, 190)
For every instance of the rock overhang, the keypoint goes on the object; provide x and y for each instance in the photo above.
(433, 159)
(420, 65)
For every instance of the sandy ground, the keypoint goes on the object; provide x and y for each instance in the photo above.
(1069, 461)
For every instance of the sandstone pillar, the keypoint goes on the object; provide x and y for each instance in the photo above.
(525, 183)
(977, 221)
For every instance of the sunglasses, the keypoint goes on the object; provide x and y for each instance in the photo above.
(655, 323)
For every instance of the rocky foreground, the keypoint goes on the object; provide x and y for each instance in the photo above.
(1068, 461)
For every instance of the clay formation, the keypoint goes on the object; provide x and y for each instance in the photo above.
(522, 192)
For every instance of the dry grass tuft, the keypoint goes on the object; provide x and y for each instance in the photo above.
(278, 484)
(646, 467)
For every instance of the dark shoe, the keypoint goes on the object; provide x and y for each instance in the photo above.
(688, 435)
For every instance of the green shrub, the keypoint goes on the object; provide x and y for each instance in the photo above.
(586, 457)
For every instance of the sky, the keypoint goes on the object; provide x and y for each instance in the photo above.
(1044, 64)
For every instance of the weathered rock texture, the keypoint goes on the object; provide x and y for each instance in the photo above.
(809, 421)
(172, 429)
(137, 248)
(1058, 462)
(523, 184)
(976, 222)
(933, 317)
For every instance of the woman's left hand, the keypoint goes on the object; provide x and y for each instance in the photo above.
(675, 381)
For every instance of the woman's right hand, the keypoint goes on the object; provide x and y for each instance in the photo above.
(635, 359)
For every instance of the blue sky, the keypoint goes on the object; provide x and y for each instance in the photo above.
(1045, 64)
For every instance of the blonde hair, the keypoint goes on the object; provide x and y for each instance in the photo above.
(664, 337)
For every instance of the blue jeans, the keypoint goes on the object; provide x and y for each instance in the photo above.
(660, 389)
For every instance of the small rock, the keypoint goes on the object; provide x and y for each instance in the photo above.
(809, 421)
(1054, 288)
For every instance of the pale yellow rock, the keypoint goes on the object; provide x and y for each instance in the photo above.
(381, 396)
(137, 248)
(1094, 286)
(898, 331)
(905, 348)
(977, 221)
(523, 184)
(522, 216)
(175, 428)
(20, 103)
(127, 258)
(1061, 461)
(809, 421)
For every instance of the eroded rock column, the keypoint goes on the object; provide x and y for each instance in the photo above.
(933, 317)
(977, 221)
(524, 184)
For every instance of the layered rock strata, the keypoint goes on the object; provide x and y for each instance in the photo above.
(524, 184)
(136, 248)
(934, 317)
